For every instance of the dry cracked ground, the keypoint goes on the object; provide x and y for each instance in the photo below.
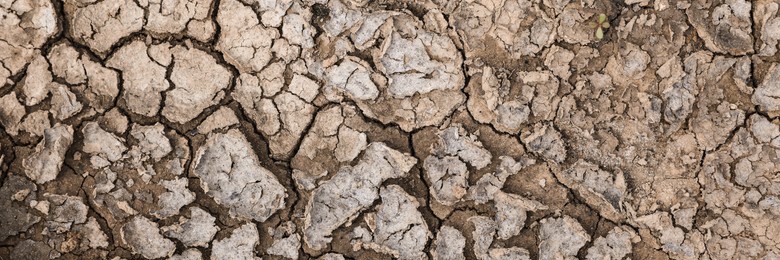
(389, 129)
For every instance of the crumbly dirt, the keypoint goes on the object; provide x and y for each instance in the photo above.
(389, 129)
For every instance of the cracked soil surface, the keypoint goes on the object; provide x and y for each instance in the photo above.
(389, 129)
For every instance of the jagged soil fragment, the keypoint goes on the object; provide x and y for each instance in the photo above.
(230, 172)
(335, 202)
(396, 226)
(25, 26)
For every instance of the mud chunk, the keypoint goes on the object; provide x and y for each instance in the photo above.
(297, 30)
(144, 78)
(294, 116)
(331, 256)
(449, 244)
(456, 141)
(351, 143)
(91, 234)
(561, 238)
(222, 118)
(714, 128)
(448, 178)
(679, 102)
(335, 134)
(519, 28)
(725, 26)
(97, 84)
(573, 25)
(765, 19)
(189, 254)
(104, 144)
(673, 239)
(115, 121)
(11, 113)
(143, 237)
(557, 60)
(66, 211)
(491, 183)
(63, 102)
(239, 245)
(615, 245)
(152, 142)
(24, 27)
(249, 93)
(15, 218)
(405, 66)
(176, 197)
(765, 131)
(230, 172)
(45, 162)
(484, 231)
(35, 85)
(766, 94)
(197, 230)
(398, 228)
(65, 63)
(343, 17)
(446, 167)
(304, 87)
(350, 191)
(432, 74)
(245, 42)
(287, 247)
(198, 81)
(545, 141)
(509, 253)
(508, 105)
(719, 110)
(511, 213)
(603, 190)
(282, 117)
(170, 16)
(353, 77)
(31, 249)
(629, 65)
(100, 24)
(483, 234)
(412, 68)
(36, 123)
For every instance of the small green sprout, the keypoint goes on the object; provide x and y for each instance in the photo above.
(600, 24)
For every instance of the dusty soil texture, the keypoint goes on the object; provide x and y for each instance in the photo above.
(389, 129)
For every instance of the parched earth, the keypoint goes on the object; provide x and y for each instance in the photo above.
(389, 129)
